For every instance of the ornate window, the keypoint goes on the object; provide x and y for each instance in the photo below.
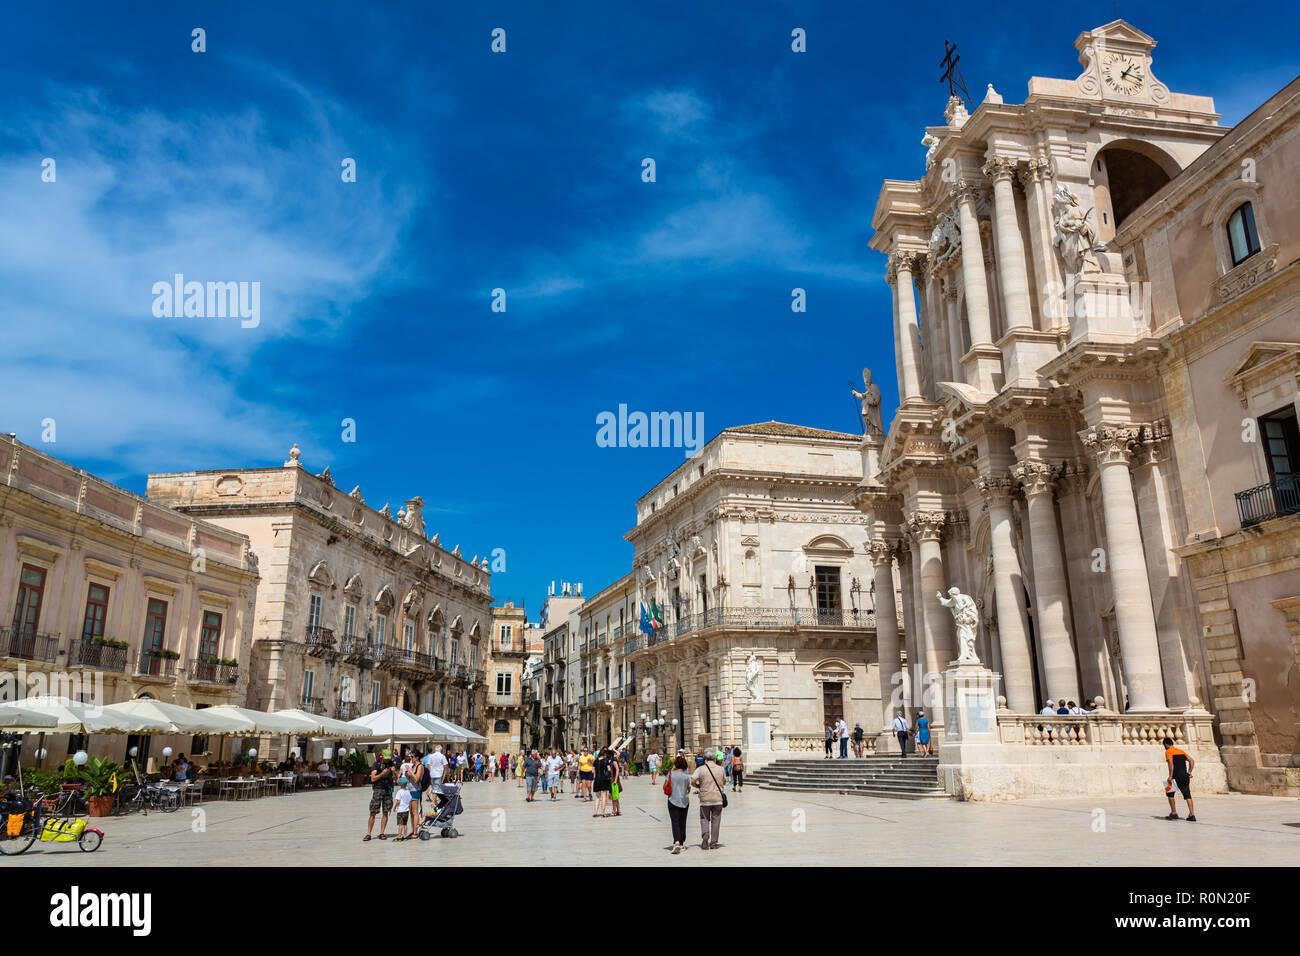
(1243, 237)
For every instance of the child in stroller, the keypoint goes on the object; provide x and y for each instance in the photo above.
(442, 816)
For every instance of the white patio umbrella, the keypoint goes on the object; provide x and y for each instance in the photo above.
(183, 720)
(16, 719)
(451, 733)
(469, 735)
(394, 724)
(258, 723)
(328, 726)
(74, 717)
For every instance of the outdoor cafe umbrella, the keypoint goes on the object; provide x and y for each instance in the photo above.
(394, 724)
(450, 732)
(183, 720)
(258, 723)
(74, 717)
(328, 727)
(469, 735)
(16, 719)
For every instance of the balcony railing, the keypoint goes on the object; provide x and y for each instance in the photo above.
(347, 710)
(748, 617)
(1274, 500)
(28, 645)
(206, 672)
(319, 638)
(312, 705)
(150, 665)
(105, 657)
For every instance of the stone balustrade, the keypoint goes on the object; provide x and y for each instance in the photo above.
(1104, 729)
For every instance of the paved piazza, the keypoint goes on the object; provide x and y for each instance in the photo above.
(325, 828)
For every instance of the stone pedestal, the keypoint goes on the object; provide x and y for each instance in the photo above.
(757, 722)
(971, 731)
(1100, 308)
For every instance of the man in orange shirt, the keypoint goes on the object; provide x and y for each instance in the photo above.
(1180, 767)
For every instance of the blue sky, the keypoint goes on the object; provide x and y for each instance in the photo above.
(478, 171)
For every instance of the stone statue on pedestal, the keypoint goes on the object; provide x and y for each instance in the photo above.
(754, 678)
(872, 422)
(1075, 237)
(965, 616)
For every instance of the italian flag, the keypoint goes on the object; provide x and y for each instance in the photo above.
(656, 616)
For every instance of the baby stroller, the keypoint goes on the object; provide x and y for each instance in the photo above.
(443, 815)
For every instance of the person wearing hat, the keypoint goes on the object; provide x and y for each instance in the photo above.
(901, 730)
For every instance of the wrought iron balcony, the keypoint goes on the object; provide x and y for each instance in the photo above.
(347, 710)
(1276, 499)
(152, 665)
(88, 653)
(311, 704)
(28, 645)
(753, 617)
(208, 672)
(319, 639)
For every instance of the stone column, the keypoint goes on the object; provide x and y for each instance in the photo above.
(1010, 247)
(906, 578)
(887, 650)
(972, 266)
(956, 340)
(1134, 618)
(1038, 479)
(927, 528)
(1009, 596)
(983, 362)
(908, 328)
(1035, 179)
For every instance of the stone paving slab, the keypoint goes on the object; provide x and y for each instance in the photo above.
(324, 828)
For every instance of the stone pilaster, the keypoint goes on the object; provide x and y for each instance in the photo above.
(908, 336)
(927, 528)
(888, 655)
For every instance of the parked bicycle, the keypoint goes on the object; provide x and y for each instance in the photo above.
(25, 821)
(146, 797)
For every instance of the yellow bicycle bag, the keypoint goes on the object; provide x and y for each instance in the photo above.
(62, 831)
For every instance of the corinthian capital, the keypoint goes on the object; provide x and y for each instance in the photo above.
(905, 261)
(926, 525)
(1036, 476)
(882, 552)
(996, 488)
(964, 190)
(1109, 444)
(998, 168)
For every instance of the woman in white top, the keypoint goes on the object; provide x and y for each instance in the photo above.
(652, 761)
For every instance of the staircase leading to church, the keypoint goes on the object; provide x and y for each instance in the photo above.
(905, 778)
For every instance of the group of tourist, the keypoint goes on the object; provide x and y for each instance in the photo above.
(837, 731)
(399, 785)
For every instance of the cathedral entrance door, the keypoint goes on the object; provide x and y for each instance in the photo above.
(832, 702)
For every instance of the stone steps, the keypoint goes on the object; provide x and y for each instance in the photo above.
(908, 778)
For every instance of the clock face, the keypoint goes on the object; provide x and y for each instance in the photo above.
(1123, 74)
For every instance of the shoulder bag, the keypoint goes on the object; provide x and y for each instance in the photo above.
(715, 783)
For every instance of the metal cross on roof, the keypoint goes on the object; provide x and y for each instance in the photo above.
(952, 73)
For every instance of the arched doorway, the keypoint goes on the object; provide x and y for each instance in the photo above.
(1125, 174)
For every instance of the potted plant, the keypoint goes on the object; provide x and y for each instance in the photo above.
(99, 779)
(355, 763)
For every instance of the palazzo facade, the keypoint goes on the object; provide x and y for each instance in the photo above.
(358, 608)
(1094, 297)
(763, 575)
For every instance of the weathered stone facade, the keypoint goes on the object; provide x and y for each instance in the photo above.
(111, 597)
(358, 608)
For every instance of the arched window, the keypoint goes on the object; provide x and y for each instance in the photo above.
(1243, 237)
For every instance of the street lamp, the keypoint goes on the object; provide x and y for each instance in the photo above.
(80, 758)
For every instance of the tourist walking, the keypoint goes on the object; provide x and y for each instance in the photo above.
(857, 739)
(586, 773)
(519, 769)
(652, 761)
(554, 764)
(830, 738)
(618, 778)
(418, 779)
(572, 765)
(531, 766)
(737, 771)
(381, 796)
(712, 799)
(1179, 764)
(436, 764)
(402, 804)
(922, 734)
(677, 785)
(602, 777)
(901, 730)
(842, 732)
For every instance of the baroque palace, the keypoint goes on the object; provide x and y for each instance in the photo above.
(1096, 327)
